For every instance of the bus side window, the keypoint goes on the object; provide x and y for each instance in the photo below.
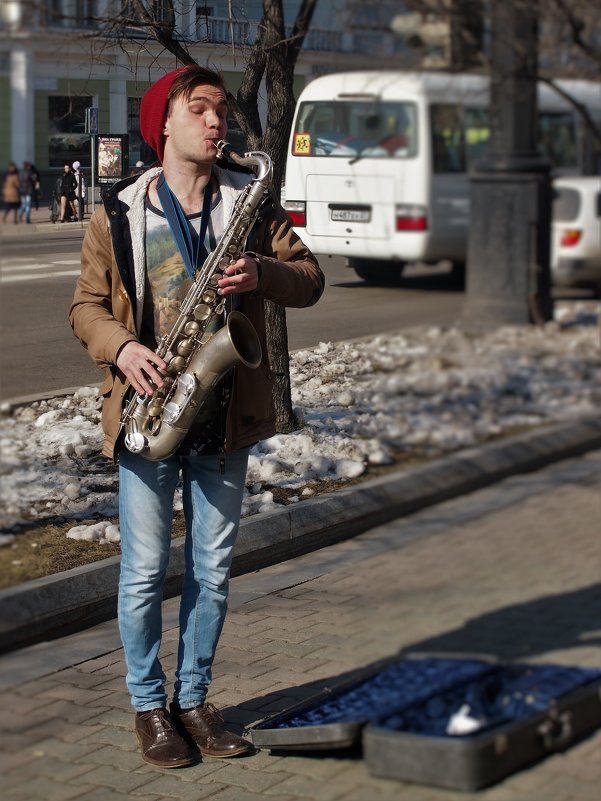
(557, 138)
(448, 143)
(477, 133)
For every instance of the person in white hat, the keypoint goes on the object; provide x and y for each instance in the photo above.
(80, 192)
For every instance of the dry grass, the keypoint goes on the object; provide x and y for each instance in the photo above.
(44, 549)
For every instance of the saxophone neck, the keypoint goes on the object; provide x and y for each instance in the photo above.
(257, 160)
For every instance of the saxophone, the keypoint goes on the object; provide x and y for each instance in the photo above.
(196, 359)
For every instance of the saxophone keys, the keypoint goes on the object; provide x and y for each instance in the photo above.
(135, 442)
(176, 365)
(185, 347)
(209, 296)
(202, 311)
(155, 407)
(191, 328)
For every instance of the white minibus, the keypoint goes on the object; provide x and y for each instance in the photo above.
(377, 168)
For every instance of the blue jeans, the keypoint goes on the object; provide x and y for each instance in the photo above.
(212, 502)
(25, 210)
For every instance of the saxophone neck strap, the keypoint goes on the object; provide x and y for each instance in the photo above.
(190, 244)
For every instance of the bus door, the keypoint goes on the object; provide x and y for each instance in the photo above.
(458, 135)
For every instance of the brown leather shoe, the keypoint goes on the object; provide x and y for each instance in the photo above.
(161, 744)
(204, 725)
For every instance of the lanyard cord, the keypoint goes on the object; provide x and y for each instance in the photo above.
(180, 227)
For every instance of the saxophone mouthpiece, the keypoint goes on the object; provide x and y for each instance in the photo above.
(224, 149)
(256, 160)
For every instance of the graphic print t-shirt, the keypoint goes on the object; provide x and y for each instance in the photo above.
(168, 283)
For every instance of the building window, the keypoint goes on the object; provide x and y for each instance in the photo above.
(158, 9)
(203, 21)
(86, 13)
(53, 13)
(67, 139)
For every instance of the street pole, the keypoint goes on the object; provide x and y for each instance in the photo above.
(508, 273)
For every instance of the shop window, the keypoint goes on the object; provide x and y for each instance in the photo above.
(67, 139)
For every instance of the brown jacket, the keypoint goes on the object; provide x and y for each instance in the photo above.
(109, 297)
(10, 188)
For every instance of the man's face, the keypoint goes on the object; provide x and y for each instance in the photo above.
(195, 125)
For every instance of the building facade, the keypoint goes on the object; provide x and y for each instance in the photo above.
(59, 58)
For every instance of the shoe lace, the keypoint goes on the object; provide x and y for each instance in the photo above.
(164, 721)
(212, 713)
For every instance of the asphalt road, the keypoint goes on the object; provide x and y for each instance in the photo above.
(40, 353)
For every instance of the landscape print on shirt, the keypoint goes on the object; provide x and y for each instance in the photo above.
(167, 277)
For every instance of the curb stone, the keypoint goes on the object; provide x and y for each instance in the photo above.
(76, 599)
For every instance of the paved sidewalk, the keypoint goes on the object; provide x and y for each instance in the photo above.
(40, 221)
(511, 570)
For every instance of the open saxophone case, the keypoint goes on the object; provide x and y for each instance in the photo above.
(454, 722)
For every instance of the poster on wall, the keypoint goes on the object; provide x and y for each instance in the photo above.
(112, 157)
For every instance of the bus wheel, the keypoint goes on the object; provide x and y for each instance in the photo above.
(378, 272)
(458, 273)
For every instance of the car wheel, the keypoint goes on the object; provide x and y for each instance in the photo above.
(375, 271)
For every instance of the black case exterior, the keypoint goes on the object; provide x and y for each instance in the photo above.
(467, 762)
(470, 763)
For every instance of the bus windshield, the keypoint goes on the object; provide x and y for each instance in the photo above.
(366, 128)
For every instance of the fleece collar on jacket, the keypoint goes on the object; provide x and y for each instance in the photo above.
(134, 197)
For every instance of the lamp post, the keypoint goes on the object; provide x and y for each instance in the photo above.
(508, 275)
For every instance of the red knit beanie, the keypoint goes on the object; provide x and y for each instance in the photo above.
(153, 111)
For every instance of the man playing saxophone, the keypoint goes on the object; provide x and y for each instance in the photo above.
(138, 260)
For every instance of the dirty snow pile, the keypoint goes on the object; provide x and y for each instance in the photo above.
(418, 392)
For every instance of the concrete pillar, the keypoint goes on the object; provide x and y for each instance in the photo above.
(21, 104)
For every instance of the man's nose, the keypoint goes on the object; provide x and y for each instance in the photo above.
(213, 119)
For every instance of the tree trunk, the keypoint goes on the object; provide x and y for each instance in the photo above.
(279, 360)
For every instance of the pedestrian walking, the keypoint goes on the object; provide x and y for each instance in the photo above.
(11, 194)
(26, 189)
(37, 191)
(134, 274)
(80, 190)
(67, 193)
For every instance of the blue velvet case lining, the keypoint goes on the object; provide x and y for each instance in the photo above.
(420, 695)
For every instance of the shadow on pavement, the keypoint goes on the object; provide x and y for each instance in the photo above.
(517, 632)
(553, 623)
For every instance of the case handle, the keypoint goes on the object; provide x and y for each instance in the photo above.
(556, 731)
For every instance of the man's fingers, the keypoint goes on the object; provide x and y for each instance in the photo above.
(240, 276)
(139, 364)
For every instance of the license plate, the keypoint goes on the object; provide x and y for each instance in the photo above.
(351, 215)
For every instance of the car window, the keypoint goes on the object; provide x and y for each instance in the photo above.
(566, 204)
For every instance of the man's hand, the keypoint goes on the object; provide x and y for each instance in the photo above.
(139, 365)
(240, 276)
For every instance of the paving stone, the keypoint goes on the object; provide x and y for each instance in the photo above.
(113, 777)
